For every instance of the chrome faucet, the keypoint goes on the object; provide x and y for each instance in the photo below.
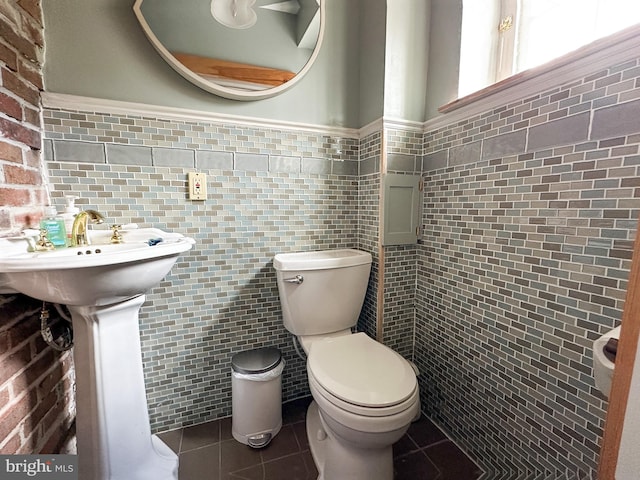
(79, 235)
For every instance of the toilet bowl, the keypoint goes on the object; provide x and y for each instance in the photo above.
(365, 394)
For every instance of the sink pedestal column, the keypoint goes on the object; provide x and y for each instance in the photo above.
(113, 432)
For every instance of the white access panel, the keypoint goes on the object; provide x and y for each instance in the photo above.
(401, 214)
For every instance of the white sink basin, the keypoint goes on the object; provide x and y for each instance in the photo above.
(98, 274)
(104, 287)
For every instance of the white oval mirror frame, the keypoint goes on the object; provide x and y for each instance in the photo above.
(221, 90)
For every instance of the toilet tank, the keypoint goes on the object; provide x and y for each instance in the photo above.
(322, 292)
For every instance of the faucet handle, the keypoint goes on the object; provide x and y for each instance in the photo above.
(116, 237)
(43, 244)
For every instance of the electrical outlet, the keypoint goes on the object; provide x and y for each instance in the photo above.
(197, 186)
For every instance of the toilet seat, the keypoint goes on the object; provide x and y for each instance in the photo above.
(360, 375)
(359, 410)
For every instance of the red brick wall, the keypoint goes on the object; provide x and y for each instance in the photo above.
(22, 191)
(37, 404)
(36, 383)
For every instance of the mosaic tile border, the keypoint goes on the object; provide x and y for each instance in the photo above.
(80, 136)
(600, 106)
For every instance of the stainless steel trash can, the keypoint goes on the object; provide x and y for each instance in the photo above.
(256, 391)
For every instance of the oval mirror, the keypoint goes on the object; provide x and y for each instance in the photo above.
(238, 49)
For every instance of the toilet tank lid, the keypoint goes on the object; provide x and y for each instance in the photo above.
(258, 360)
(320, 260)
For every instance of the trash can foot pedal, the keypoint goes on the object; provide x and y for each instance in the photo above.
(259, 441)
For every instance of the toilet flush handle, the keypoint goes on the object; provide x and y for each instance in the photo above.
(298, 279)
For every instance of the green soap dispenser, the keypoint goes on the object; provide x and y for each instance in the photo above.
(54, 224)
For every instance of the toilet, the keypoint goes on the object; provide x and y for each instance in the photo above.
(365, 395)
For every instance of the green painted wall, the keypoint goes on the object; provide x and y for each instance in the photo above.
(444, 54)
(96, 48)
(407, 47)
(373, 62)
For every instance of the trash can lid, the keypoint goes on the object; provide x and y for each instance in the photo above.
(258, 360)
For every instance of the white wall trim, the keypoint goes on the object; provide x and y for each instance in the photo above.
(99, 105)
(393, 123)
(601, 54)
(406, 125)
(370, 128)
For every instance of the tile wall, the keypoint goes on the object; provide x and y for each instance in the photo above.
(530, 212)
(403, 149)
(529, 216)
(368, 228)
(269, 191)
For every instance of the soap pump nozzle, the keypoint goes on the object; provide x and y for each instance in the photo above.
(71, 204)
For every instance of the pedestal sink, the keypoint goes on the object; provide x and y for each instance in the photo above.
(104, 286)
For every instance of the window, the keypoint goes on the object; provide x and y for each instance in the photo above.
(503, 37)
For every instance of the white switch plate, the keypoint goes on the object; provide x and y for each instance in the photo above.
(197, 186)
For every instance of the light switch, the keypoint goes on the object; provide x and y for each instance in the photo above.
(197, 186)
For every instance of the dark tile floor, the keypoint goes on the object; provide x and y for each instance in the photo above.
(209, 452)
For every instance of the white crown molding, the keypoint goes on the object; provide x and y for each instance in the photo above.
(405, 125)
(601, 54)
(99, 105)
(65, 101)
(384, 123)
(370, 128)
